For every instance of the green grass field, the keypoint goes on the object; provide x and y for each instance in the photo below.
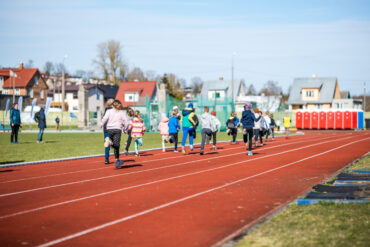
(63, 145)
(323, 224)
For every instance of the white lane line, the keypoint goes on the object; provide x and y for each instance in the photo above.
(125, 174)
(89, 230)
(146, 161)
(149, 183)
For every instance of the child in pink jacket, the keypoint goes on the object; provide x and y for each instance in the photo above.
(163, 129)
(137, 128)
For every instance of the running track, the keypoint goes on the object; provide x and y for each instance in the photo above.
(166, 199)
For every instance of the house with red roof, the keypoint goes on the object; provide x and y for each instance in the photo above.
(134, 93)
(28, 82)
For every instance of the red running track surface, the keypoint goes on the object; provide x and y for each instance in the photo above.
(166, 199)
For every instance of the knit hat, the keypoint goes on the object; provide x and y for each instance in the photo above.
(248, 106)
(175, 108)
(213, 113)
(190, 105)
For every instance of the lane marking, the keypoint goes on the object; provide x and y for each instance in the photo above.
(146, 161)
(125, 174)
(149, 183)
(89, 230)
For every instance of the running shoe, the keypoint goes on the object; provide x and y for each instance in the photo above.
(250, 153)
(214, 148)
(107, 142)
(137, 155)
(119, 163)
(183, 151)
(191, 147)
(201, 153)
(106, 161)
(175, 151)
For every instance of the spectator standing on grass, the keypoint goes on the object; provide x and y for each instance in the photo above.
(207, 126)
(57, 121)
(216, 124)
(278, 123)
(105, 131)
(116, 121)
(232, 127)
(257, 129)
(173, 129)
(15, 123)
(40, 118)
(188, 124)
(130, 115)
(137, 128)
(272, 126)
(248, 119)
(268, 125)
(287, 122)
(164, 131)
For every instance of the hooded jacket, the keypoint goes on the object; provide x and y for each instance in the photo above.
(248, 119)
(173, 125)
(163, 126)
(137, 127)
(15, 117)
(206, 121)
(187, 117)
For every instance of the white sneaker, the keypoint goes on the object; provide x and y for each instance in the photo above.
(107, 142)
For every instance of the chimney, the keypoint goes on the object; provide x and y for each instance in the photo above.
(21, 66)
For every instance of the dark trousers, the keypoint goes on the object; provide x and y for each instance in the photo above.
(214, 138)
(174, 137)
(234, 133)
(248, 136)
(41, 133)
(128, 143)
(205, 132)
(14, 134)
(257, 133)
(108, 148)
(115, 136)
(272, 132)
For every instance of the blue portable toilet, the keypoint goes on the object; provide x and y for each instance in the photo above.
(360, 120)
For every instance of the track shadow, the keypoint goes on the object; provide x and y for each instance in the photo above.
(9, 170)
(128, 160)
(210, 153)
(146, 154)
(129, 166)
(11, 162)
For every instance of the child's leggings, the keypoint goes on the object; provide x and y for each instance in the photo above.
(115, 136)
(164, 137)
(186, 131)
(139, 141)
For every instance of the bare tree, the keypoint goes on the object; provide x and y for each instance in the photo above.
(136, 74)
(110, 61)
(196, 84)
(58, 67)
(271, 88)
(29, 64)
(251, 90)
(151, 75)
(49, 68)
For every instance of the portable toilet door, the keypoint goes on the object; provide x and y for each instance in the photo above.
(338, 120)
(306, 120)
(322, 120)
(354, 119)
(298, 120)
(360, 120)
(347, 120)
(331, 120)
(314, 120)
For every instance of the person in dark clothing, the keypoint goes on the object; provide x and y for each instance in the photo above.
(15, 123)
(272, 126)
(57, 121)
(40, 118)
(173, 129)
(105, 131)
(248, 120)
(195, 126)
(130, 116)
(232, 127)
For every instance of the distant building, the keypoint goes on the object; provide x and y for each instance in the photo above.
(135, 93)
(28, 83)
(95, 97)
(319, 93)
(110, 91)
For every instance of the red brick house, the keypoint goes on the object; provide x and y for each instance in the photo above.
(27, 83)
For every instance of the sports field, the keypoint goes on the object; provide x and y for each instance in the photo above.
(167, 199)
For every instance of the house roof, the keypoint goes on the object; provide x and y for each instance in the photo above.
(24, 76)
(110, 90)
(74, 88)
(142, 87)
(326, 86)
(224, 85)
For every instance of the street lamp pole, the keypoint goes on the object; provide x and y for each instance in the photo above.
(232, 80)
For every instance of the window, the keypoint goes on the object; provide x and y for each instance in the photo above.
(97, 95)
(6, 91)
(17, 91)
(217, 95)
(75, 95)
(1, 80)
(310, 93)
(36, 80)
(75, 108)
(42, 94)
(30, 93)
(131, 97)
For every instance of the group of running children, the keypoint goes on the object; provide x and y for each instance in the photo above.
(117, 119)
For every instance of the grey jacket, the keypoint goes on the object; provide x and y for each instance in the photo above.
(206, 121)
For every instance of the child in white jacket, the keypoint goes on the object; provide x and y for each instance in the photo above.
(216, 124)
(163, 129)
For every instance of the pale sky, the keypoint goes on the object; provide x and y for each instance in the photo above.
(273, 40)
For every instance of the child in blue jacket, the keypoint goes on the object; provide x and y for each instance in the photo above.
(174, 127)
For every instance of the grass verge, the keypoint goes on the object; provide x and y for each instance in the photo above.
(325, 224)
